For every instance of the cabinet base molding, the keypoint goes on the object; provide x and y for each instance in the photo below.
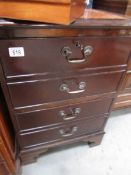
(31, 155)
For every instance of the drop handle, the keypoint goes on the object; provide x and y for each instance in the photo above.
(74, 114)
(81, 88)
(72, 131)
(85, 51)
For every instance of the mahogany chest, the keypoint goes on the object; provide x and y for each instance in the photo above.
(8, 165)
(123, 99)
(60, 82)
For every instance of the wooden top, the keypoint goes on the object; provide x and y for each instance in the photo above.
(46, 1)
(89, 19)
(98, 18)
(98, 14)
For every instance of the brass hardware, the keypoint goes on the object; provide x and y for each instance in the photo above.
(74, 114)
(88, 51)
(85, 51)
(73, 61)
(65, 87)
(82, 85)
(66, 51)
(67, 134)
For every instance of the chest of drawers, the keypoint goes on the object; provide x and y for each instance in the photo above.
(60, 82)
(123, 99)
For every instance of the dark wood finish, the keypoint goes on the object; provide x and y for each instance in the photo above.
(32, 155)
(57, 12)
(95, 140)
(118, 6)
(63, 132)
(3, 169)
(36, 92)
(124, 98)
(53, 116)
(8, 151)
(32, 84)
(45, 54)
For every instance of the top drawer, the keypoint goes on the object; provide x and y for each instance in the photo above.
(48, 55)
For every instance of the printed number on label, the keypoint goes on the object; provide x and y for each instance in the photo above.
(16, 52)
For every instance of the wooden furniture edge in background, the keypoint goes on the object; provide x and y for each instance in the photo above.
(43, 12)
(9, 159)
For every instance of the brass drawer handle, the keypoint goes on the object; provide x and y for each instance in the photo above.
(81, 86)
(74, 114)
(70, 133)
(86, 52)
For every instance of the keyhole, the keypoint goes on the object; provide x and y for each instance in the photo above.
(65, 52)
(77, 44)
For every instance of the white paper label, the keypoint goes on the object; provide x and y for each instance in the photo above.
(16, 52)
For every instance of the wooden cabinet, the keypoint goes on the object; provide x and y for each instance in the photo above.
(60, 82)
(8, 152)
(118, 6)
(124, 97)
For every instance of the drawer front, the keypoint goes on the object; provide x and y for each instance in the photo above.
(52, 117)
(62, 54)
(128, 81)
(40, 92)
(62, 132)
(122, 101)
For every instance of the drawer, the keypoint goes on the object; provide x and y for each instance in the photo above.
(126, 84)
(123, 97)
(24, 94)
(128, 81)
(49, 55)
(59, 133)
(57, 116)
(122, 101)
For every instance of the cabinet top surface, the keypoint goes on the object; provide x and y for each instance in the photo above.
(48, 1)
(91, 18)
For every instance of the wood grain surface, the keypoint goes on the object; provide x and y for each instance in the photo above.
(45, 1)
(40, 11)
(118, 6)
(6, 147)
